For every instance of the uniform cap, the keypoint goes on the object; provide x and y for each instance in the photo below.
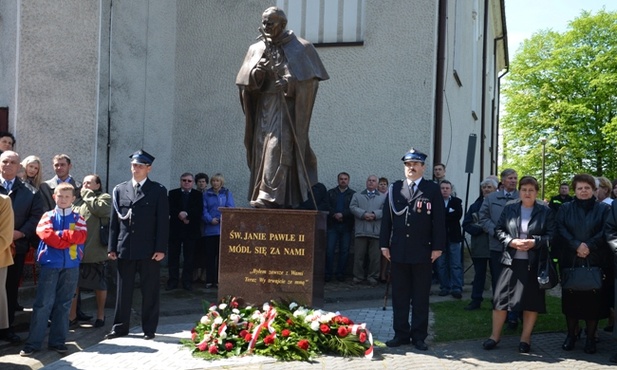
(142, 157)
(414, 155)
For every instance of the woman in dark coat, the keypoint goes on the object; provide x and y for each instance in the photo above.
(525, 229)
(580, 225)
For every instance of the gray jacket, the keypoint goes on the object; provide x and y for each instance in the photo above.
(361, 204)
(490, 211)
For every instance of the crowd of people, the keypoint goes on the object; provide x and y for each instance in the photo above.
(408, 232)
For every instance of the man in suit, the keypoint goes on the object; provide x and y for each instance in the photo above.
(185, 209)
(490, 212)
(138, 236)
(412, 237)
(450, 264)
(27, 211)
(62, 168)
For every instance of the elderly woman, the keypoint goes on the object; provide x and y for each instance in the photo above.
(479, 247)
(580, 226)
(214, 198)
(33, 173)
(604, 189)
(525, 229)
(95, 206)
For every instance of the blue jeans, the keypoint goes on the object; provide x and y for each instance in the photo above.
(341, 235)
(450, 267)
(54, 293)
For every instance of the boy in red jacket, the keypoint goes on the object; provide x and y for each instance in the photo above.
(63, 233)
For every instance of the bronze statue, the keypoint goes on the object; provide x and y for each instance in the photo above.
(278, 83)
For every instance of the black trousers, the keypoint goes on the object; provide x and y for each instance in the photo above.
(149, 276)
(13, 276)
(186, 247)
(212, 259)
(411, 285)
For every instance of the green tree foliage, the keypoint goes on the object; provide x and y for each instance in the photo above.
(563, 87)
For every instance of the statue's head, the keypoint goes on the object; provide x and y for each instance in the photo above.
(274, 22)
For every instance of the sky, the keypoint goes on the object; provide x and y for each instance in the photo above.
(526, 17)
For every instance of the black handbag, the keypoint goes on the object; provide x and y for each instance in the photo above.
(582, 278)
(547, 275)
(104, 233)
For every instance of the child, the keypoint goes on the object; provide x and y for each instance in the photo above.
(62, 234)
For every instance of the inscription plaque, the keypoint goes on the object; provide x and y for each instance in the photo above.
(272, 254)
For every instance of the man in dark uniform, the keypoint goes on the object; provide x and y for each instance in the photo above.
(185, 209)
(412, 237)
(561, 198)
(138, 236)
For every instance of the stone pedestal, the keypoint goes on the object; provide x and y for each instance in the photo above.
(272, 254)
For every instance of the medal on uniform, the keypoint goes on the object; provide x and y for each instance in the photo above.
(428, 208)
(419, 206)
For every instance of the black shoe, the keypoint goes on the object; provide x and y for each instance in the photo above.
(420, 345)
(457, 295)
(73, 323)
(443, 293)
(590, 346)
(512, 325)
(83, 317)
(473, 305)
(568, 344)
(149, 336)
(397, 342)
(99, 323)
(60, 348)
(524, 347)
(171, 287)
(187, 287)
(489, 344)
(114, 334)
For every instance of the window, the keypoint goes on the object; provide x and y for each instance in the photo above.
(339, 22)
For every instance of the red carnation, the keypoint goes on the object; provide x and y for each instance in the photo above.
(213, 350)
(337, 319)
(229, 346)
(248, 337)
(234, 304)
(285, 333)
(193, 336)
(303, 344)
(269, 339)
(346, 321)
(203, 346)
(243, 333)
(289, 322)
(324, 328)
(362, 337)
(193, 330)
(342, 331)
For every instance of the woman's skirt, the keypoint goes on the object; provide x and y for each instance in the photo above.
(93, 276)
(517, 289)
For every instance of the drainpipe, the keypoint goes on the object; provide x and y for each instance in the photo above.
(439, 79)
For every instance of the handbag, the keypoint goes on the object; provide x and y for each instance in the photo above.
(547, 275)
(582, 278)
(104, 233)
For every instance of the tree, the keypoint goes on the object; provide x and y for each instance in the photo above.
(563, 87)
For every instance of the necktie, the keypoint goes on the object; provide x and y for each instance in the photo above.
(508, 195)
(8, 185)
(371, 194)
(137, 189)
(412, 189)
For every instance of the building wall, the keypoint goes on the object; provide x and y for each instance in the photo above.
(165, 72)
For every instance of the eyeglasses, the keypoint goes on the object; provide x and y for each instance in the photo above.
(187, 180)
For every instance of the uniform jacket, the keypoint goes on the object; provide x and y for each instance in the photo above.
(177, 228)
(490, 211)
(95, 208)
(454, 212)
(557, 201)
(610, 232)
(6, 232)
(348, 218)
(62, 233)
(541, 228)
(575, 225)
(471, 225)
(47, 190)
(361, 204)
(212, 203)
(420, 229)
(27, 210)
(147, 230)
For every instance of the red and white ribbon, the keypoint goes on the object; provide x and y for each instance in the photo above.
(354, 330)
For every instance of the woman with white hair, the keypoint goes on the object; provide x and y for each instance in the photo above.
(479, 246)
